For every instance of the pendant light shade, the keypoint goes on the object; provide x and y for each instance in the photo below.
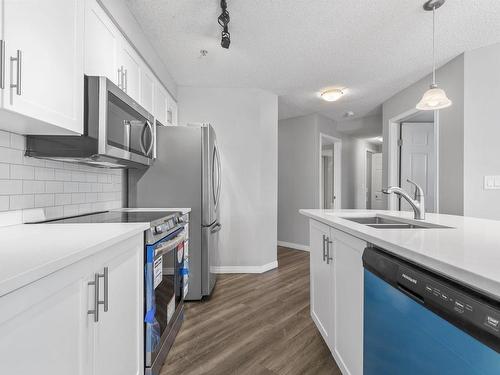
(434, 98)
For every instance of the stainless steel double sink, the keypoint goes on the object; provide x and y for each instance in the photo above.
(381, 222)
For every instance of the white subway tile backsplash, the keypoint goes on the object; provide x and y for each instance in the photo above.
(36, 189)
(78, 198)
(45, 174)
(11, 187)
(4, 139)
(44, 200)
(4, 171)
(4, 202)
(22, 172)
(30, 187)
(17, 141)
(62, 175)
(54, 186)
(62, 199)
(71, 187)
(19, 202)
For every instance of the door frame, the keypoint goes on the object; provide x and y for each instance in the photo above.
(371, 151)
(337, 170)
(393, 155)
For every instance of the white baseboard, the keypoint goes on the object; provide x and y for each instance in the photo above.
(246, 269)
(292, 245)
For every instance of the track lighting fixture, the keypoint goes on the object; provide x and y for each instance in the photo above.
(224, 21)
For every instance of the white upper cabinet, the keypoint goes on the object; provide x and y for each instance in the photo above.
(147, 89)
(101, 43)
(130, 63)
(160, 107)
(171, 111)
(42, 66)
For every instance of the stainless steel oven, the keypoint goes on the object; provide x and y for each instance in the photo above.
(165, 282)
(118, 132)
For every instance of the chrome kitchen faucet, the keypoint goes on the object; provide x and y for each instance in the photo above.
(418, 203)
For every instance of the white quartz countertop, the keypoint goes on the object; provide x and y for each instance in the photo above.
(468, 252)
(183, 210)
(29, 252)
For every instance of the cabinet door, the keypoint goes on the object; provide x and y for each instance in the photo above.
(131, 63)
(118, 336)
(47, 36)
(101, 43)
(171, 111)
(348, 301)
(147, 89)
(160, 109)
(320, 284)
(50, 335)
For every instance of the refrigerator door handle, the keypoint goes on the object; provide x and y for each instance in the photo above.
(218, 175)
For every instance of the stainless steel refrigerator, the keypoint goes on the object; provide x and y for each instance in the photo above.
(186, 173)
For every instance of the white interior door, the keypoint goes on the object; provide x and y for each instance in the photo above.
(377, 202)
(418, 161)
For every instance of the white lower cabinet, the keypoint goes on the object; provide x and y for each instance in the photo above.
(337, 293)
(45, 327)
(320, 281)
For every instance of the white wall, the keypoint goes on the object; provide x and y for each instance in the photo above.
(481, 131)
(451, 131)
(297, 177)
(246, 123)
(298, 172)
(362, 127)
(35, 189)
(127, 23)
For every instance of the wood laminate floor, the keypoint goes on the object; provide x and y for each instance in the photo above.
(253, 324)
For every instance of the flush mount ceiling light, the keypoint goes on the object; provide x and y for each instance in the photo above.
(332, 95)
(434, 98)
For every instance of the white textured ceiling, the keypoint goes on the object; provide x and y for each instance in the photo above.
(296, 48)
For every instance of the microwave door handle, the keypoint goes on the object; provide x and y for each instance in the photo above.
(143, 148)
(152, 143)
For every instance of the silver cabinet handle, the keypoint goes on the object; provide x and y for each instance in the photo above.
(97, 300)
(95, 311)
(328, 257)
(125, 84)
(2, 64)
(104, 302)
(120, 78)
(324, 248)
(18, 60)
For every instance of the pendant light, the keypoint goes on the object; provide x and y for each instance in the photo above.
(434, 98)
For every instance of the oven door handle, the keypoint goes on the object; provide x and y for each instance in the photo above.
(170, 245)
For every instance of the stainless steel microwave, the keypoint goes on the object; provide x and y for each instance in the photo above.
(118, 132)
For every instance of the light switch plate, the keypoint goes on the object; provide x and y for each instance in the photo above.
(491, 182)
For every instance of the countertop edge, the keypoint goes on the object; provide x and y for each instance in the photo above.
(473, 280)
(32, 275)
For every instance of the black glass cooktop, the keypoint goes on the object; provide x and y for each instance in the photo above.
(116, 217)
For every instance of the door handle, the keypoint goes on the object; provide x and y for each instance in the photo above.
(324, 248)
(125, 84)
(2, 64)
(120, 78)
(328, 243)
(95, 310)
(97, 301)
(104, 275)
(18, 60)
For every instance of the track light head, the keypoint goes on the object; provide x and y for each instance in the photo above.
(224, 21)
